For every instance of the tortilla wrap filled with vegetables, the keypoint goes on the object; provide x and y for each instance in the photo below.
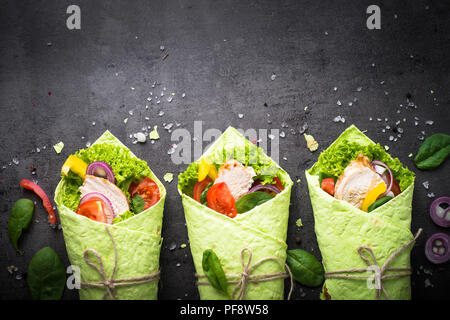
(244, 205)
(133, 236)
(349, 215)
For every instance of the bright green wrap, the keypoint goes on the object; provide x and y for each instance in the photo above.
(262, 229)
(138, 242)
(341, 229)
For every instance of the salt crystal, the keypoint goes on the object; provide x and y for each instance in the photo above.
(272, 77)
(339, 103)
(169, 99)
(282, 134)
(391, 138)
(240, 115)
(430, 195)
(400, 130)
(303, 128)
(157, 102)
(335, 88)
(88, 144)
(359, 89)
(149, 99)
(140, 137)
(284, 125)
(350, 104)
(426, 184)
(271, 136)
(183, 95)
(161, 48)
(93, 123)
(429, 122)
(15, 161)
(161, 113)
(131, 112)
(168, 126)
(172, 246)
(285, 158)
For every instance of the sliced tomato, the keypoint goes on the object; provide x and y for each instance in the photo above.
(220, 199)
(30, 185)
(93, 209)
(278, 183)
(148, 190)
(200, 187)
(328, 185)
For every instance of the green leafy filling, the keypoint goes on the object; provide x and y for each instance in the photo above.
(126, 167)
(336, 158)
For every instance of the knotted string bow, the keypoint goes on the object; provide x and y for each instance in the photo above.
(110, 283)
(246, 277)
(379, 274)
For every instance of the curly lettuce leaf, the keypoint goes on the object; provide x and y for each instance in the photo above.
(188, 179)
(336, 158)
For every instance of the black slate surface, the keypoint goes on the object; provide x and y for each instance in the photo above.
(55, 82)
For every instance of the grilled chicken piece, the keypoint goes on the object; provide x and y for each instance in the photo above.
(109, 190)
(357, 180)
(238, 178)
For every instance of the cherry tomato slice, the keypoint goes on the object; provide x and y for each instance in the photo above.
(93, 209)
(200, 187)
(328, 185)
(220, 199)
(148, 190)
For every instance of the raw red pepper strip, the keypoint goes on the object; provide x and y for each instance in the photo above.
(30, 185)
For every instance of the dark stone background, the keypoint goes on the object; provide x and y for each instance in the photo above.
(222, 55)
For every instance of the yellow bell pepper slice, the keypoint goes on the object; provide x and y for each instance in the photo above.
(373, 195)
(206, 169)
(76, 165)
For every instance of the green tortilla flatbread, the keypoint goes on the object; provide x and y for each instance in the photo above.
(261, 229)
(341, 229)
(138, 242)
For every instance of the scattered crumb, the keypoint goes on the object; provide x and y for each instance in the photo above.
(58, 147)
(168, 177)
(311, 143)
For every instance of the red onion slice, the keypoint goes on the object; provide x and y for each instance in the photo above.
(110, 214)
(384, 165)
(101, 169)
(437, 248)
(439, 215)
(268, 186)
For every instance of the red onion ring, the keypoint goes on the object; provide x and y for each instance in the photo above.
(268, 186)
(110, 214)
(382, 164)
(437, 248)
(434, 214)
(101, 169)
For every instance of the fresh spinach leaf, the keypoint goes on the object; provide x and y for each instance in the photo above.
(251, 200)
(214, 271)
(205, 192)
(46, 275)
(305, 267)
(19, 220)
(138, 203)
(433, 151)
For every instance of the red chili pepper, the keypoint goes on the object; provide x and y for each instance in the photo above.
(30, 185)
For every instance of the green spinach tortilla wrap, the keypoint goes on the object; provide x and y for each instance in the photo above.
(361, 198)
(111, 208)
(236, 197)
